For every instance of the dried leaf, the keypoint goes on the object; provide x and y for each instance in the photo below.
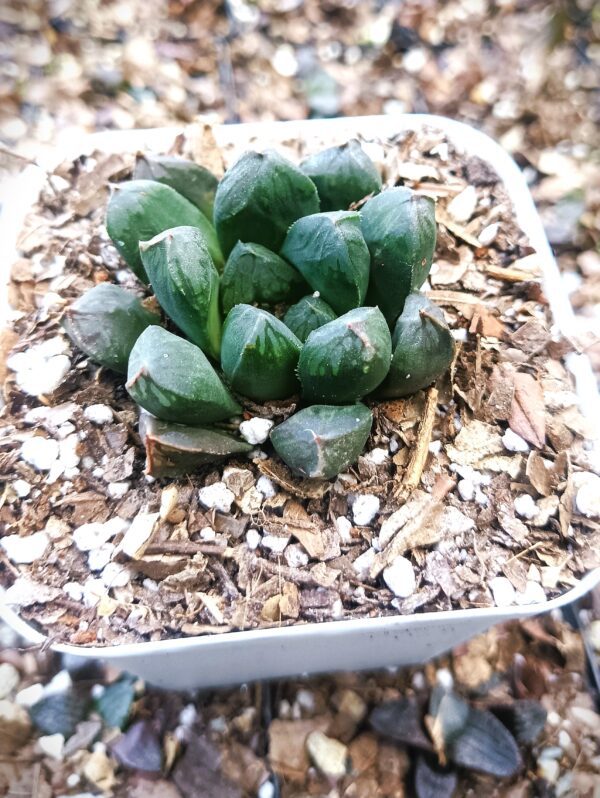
(527, 417)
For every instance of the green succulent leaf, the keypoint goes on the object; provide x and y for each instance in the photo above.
(173, 450)
(342, 175)
(328, 249)
(140, 209)
(173, 380)
(192, 181)
(310, 313)
(255, 274)
(347, 358)
(423, 348)
(186, 284)
(259, 198)
(322, 440)
(105, 323)
(259, 354)
(399, 228)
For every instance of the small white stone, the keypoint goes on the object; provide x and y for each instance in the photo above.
(25, 549)
(488, 234)
(217, 497)
(435, 447)
(30, 695)
(266, 487)
(444, 678)
(266, 790)
(9, 679)
(21, 488)
(376, 456)
(548, 769)
(68, 451)
(115, 575)
(73, 590)
(400, 577)
(503, 592)
(99, 557)
(362, 564)
(365, 508)
(295, 556)
(98, 414)
(256, 430)
(525, 506)
(275, 543)
(414, 60)
(466, 490)
(61, 683)
(514, 442)
(533, 594)
(93, 591)
(52, 745)
(462, 207)
(207, 534)
(42, 368)
(253, 538)
(116, 490)
(138, 534)
(344, 529)
(587, 499)
(394, 445)
(329, 755)
(41, 453)
(91, 536)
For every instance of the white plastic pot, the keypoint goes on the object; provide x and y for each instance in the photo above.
(236, 657)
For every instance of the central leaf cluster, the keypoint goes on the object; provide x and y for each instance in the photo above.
(287, 291)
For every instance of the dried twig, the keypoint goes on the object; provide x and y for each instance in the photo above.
(416, 464)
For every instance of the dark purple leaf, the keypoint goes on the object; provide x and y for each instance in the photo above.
(61, 712)
(431, 781)
(139, 748)
(524, 719)
(485, 745)
(401, 720)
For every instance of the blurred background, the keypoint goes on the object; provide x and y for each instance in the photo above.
(526, 72)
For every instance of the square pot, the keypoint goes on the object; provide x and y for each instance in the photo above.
(195, 662)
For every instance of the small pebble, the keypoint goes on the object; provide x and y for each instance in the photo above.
(52, 745)
(256, 430)
(466, 490)
(26, 549)
(9, 679)
(93, 590)
(362, 564)
(394, 445)
(115, 575)
(344, 528)
(60, 683)
(462, 207)
(329, 756)
(444, 678)
(41, 453)
(42, 368)
(503, 591)
(116, 490)
(400, 577)
(207, 534)
(30, 695)
(266, 790)
(488, 234)
(376, 456)
(99, 557)
(21, 488)
(93, 535)
(266, 487)
(548, 769)
(525, 506)
(513, 442)
(295, 556)
(587, 499)
(217, 497)
(365, 508)
(253, 538)
(435, 447)
(98, 414)
(274, 543)
(73, 590)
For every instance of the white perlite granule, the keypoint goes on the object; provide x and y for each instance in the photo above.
(365, 508)
(256, 430)
(400, 577)
(25, 550)
(217, 497)
(98, 414)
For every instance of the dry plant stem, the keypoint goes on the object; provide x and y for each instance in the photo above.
(509, 275)
(418, 458)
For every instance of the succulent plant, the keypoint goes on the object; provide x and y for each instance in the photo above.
(347, 358)
(173, 450)
(140, 209)
(259, 354)
(258, 199)
(328, 249)
(186, 284)
(255, 274)
(398, 226)
(194, 182)
(423, 347)
(322, 440)
(105, 323)
(172, 379)
(310, 313)
(342, 175)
